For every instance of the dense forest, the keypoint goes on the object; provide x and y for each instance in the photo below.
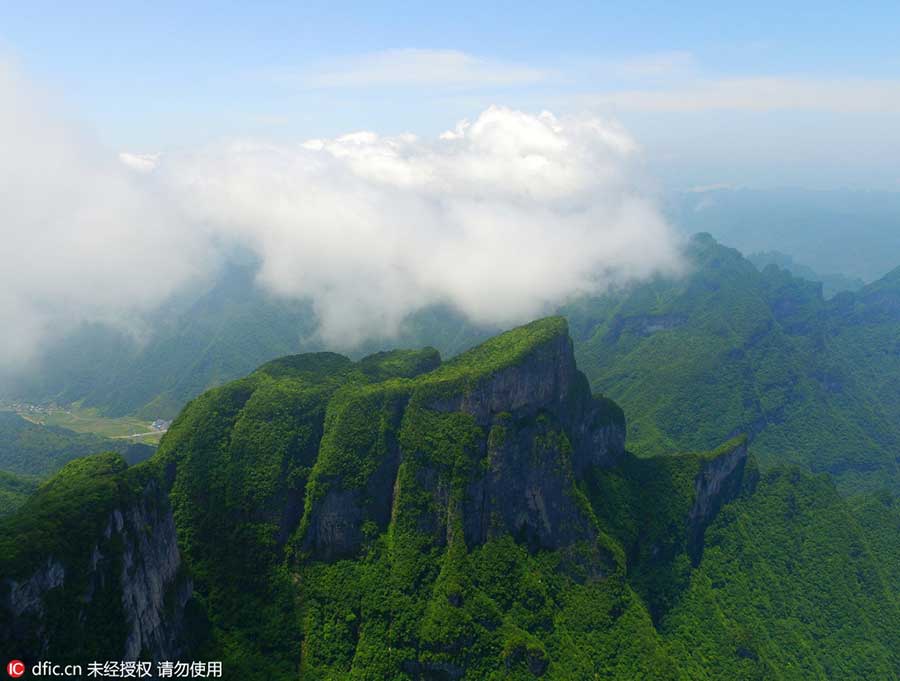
(403, 517)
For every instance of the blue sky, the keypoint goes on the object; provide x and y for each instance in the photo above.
(765, 94)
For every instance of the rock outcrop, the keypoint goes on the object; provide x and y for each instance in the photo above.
(132, 572)
(26, 596)
(718, 482)
(531, 425)
(154, 588)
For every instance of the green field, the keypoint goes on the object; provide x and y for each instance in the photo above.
(83, 420)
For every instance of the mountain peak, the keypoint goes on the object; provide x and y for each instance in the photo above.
(527, 368)
(518, 392)
(507, 348)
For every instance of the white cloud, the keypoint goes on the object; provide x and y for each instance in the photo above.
(760, 94)
(504, 218)
(141, 162)
(81, 237)
(417, 67)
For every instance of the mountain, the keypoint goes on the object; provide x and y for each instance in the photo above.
(730, 349)
(402, 517)
(726, 349)
(854, 232)
(14, 491)
(832, 284)
(199, 340)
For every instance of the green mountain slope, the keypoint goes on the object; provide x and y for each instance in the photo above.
(402, 518)
(198, 341)
(788, 588)
(31, 449)
(14, 490)
(729, 349)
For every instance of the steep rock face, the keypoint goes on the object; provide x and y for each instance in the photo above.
(336, 529)
(543, 379)
(526, 489)
(718, 482)
(333, 527)
(515, 432)
(27, 595)
(151, 566)
(131, 573)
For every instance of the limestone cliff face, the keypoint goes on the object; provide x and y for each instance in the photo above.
(131, 573)
(527, 489)
(27, 596)
(535, 427)
(718, 482)
(151, 572)
(548, 381)
(544, 379)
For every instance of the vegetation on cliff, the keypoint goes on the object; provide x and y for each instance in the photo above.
(399, 518)
(729, 349)
(48, 542)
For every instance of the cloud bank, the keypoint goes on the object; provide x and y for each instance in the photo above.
(81, 238)
(502, 217)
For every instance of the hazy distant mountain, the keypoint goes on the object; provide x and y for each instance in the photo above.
(731, 349)
(200, 340)
(832, 284)
(855, 233)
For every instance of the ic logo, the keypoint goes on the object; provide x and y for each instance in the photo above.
(15, 668)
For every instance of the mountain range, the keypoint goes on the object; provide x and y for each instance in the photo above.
(727, 348)
(849, 231)
(730, 349)
(404, 517)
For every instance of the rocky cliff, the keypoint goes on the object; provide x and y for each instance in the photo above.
(397, 516)
(719, 481)
(114, 584)
(518, 425)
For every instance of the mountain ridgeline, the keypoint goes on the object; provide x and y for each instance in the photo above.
(199, 340)
(402, 517)
(730, 349)
(725, 349)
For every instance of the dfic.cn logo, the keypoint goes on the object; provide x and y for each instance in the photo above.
(15, 668)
